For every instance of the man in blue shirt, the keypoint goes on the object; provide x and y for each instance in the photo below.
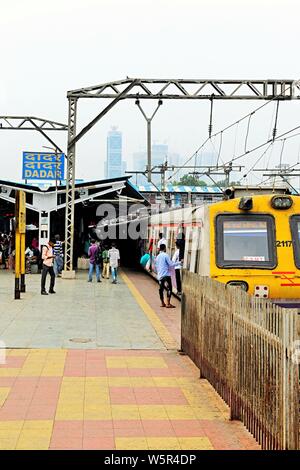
(163, 265)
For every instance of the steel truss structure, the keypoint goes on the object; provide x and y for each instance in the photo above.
(161, 89)
(31, 123)
(192, 89)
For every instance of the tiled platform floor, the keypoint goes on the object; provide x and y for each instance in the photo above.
(109, 399)
(119, 398)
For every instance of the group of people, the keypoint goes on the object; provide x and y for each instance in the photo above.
(103, 259)
(164, 266)
(6, 249)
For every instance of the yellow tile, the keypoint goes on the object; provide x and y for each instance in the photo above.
(201, 413)
(163, 443)
(18, 352)
(8, 444)
(38, 424)
(96, 381)
(145, 362)
(9, 433)
(180, 412)
(128, 443)
(97, 412)
(195, 443)
(119, 381)
(9, 372)
(142, 382)
(117, 362)
(64, 413)
(152, 412)
(54, 368)
(165, 382)
(125, 412)
(34, 439)
(71, 380)
(4, 391)
(11, 425)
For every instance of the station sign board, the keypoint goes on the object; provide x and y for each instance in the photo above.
(43, 166)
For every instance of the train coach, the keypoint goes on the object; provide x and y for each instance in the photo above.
(251, 241)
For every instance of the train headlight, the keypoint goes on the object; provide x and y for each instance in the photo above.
(246, 204)
(242, 284)
(281, 202)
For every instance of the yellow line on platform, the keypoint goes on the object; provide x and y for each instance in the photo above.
(155, 321)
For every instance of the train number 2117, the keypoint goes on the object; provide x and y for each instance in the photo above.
(284, 243)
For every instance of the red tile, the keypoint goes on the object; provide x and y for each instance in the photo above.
(66, 444)
(7, 381)
(127, 423)
(90, 425)
(101, 443)
(158, 428)
(122, 372)
(139, 372)
(44, 412)
(13, 362)
(172, 396)
(67, 425)
(187, 428)
(157, 372)
(129, 432)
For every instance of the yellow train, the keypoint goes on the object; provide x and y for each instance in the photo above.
(251, 241)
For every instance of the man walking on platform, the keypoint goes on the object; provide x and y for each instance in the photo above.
(105, 259)
(94, 261)
(59, 256)
(163, 265)
(48, 257)
(114, 261)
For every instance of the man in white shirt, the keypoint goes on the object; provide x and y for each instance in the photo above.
(176, 259)
(161, 241)
(114, 261)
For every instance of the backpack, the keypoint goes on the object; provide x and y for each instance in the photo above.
(98, 257)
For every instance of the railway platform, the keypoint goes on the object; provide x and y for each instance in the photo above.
(96, 366)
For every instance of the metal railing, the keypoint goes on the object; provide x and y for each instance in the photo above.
(246, 348)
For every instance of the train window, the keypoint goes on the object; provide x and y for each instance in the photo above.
(295, 229)
(245, 241)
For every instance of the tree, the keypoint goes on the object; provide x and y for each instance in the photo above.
(189, 180)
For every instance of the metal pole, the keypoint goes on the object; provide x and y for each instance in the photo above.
(17, 265)
(70, 191)
(149, 147)
(149, 150)
(23, 267)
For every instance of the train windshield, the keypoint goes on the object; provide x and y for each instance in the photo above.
(295, 229)
(245, 241)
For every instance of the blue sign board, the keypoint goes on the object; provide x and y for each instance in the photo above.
(43, 166)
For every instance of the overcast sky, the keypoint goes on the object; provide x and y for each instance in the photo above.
(49, 47)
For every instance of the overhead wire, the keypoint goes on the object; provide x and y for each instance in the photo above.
(229, 127)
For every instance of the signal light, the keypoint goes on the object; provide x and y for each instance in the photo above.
(281, 202)
(246, 204)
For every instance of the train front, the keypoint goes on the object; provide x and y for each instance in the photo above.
(255, 244)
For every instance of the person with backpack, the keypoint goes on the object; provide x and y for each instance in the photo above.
(105, 260)
(94, 261)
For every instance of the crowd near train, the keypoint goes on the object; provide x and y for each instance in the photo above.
(251, 241)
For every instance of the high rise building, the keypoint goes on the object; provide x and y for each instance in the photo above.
(159, 154)
(113, 165)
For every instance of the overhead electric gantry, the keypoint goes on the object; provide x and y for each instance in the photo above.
(159, 89)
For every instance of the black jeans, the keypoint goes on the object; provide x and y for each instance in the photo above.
(45, 271)
(165, 283)
(178, 279)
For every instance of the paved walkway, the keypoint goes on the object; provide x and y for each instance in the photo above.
(108, 398)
